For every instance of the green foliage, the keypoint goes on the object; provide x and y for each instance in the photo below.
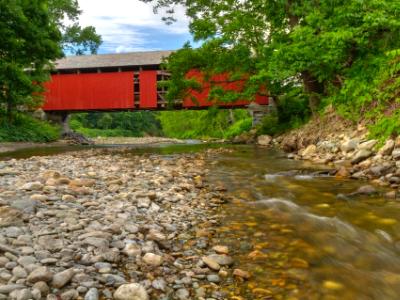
(33, 34)
(212, 123)
(335, 51)
(386, 126)
(116, 124)
(238, 128)
(75, 38)
(27, 129)
(373, 94)
(29, 41)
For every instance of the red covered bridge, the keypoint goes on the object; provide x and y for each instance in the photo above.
(125, 81)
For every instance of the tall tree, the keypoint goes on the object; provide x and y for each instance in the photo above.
(29, 41)
(312, 43)
(33, 34)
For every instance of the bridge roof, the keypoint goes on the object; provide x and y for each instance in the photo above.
(111, 60)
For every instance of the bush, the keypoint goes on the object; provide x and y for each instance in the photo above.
(25, 128)
(131, 124)
(292, 112)
(203, 124)
(238, 128)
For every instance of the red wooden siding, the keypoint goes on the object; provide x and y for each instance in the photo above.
(148, 89)
(199, 98)
(112, 90)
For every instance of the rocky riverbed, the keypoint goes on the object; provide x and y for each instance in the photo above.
(104, 224)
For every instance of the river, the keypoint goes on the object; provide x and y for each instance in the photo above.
(287, 224)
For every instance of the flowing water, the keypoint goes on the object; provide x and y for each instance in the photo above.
(298, 239)
(292, 232)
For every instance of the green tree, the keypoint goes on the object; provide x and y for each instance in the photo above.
(29, 42)
(33, 34)
(75, 39)
(316, 44)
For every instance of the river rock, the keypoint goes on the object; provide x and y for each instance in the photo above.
(19, 272)
(32, 186)
(387, 149)
(396, 153)
(221, 259)
(92, 294)
(24, 294)
(25, 205)
(132, 250)
(8, 288)
(366, 190)
(349, 145)
(242, 274)
(10, 216)
(40, 274)
(213, 278)
(221, 249)
(131, 291)
(360, 156)
(153, 259)
(39, 197)
(182, 294)
(211, 263)
(70, 295)
(368, 145)
(62, 278)
(310, 150)
(42, 287)
(264, 140)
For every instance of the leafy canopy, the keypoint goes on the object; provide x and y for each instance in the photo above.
(34, 33)
(315, 44)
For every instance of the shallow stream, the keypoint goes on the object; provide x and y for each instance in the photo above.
(292, 232)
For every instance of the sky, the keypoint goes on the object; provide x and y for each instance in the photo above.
(131, 25)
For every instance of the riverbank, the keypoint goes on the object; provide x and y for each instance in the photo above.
(347, 148)
(103, 224)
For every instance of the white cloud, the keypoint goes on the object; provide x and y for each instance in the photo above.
(123, 23)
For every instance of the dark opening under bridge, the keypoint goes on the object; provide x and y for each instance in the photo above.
(128, 81)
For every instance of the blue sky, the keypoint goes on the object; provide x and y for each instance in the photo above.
(131, 25)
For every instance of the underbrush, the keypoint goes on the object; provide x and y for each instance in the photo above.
(95, 132)
(205, 124)
(116, 124)
(24, 128)
(291, 112)
(372, 96)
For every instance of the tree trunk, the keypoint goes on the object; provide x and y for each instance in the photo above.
(314, 90)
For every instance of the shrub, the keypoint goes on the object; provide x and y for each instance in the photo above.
(25, 128)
